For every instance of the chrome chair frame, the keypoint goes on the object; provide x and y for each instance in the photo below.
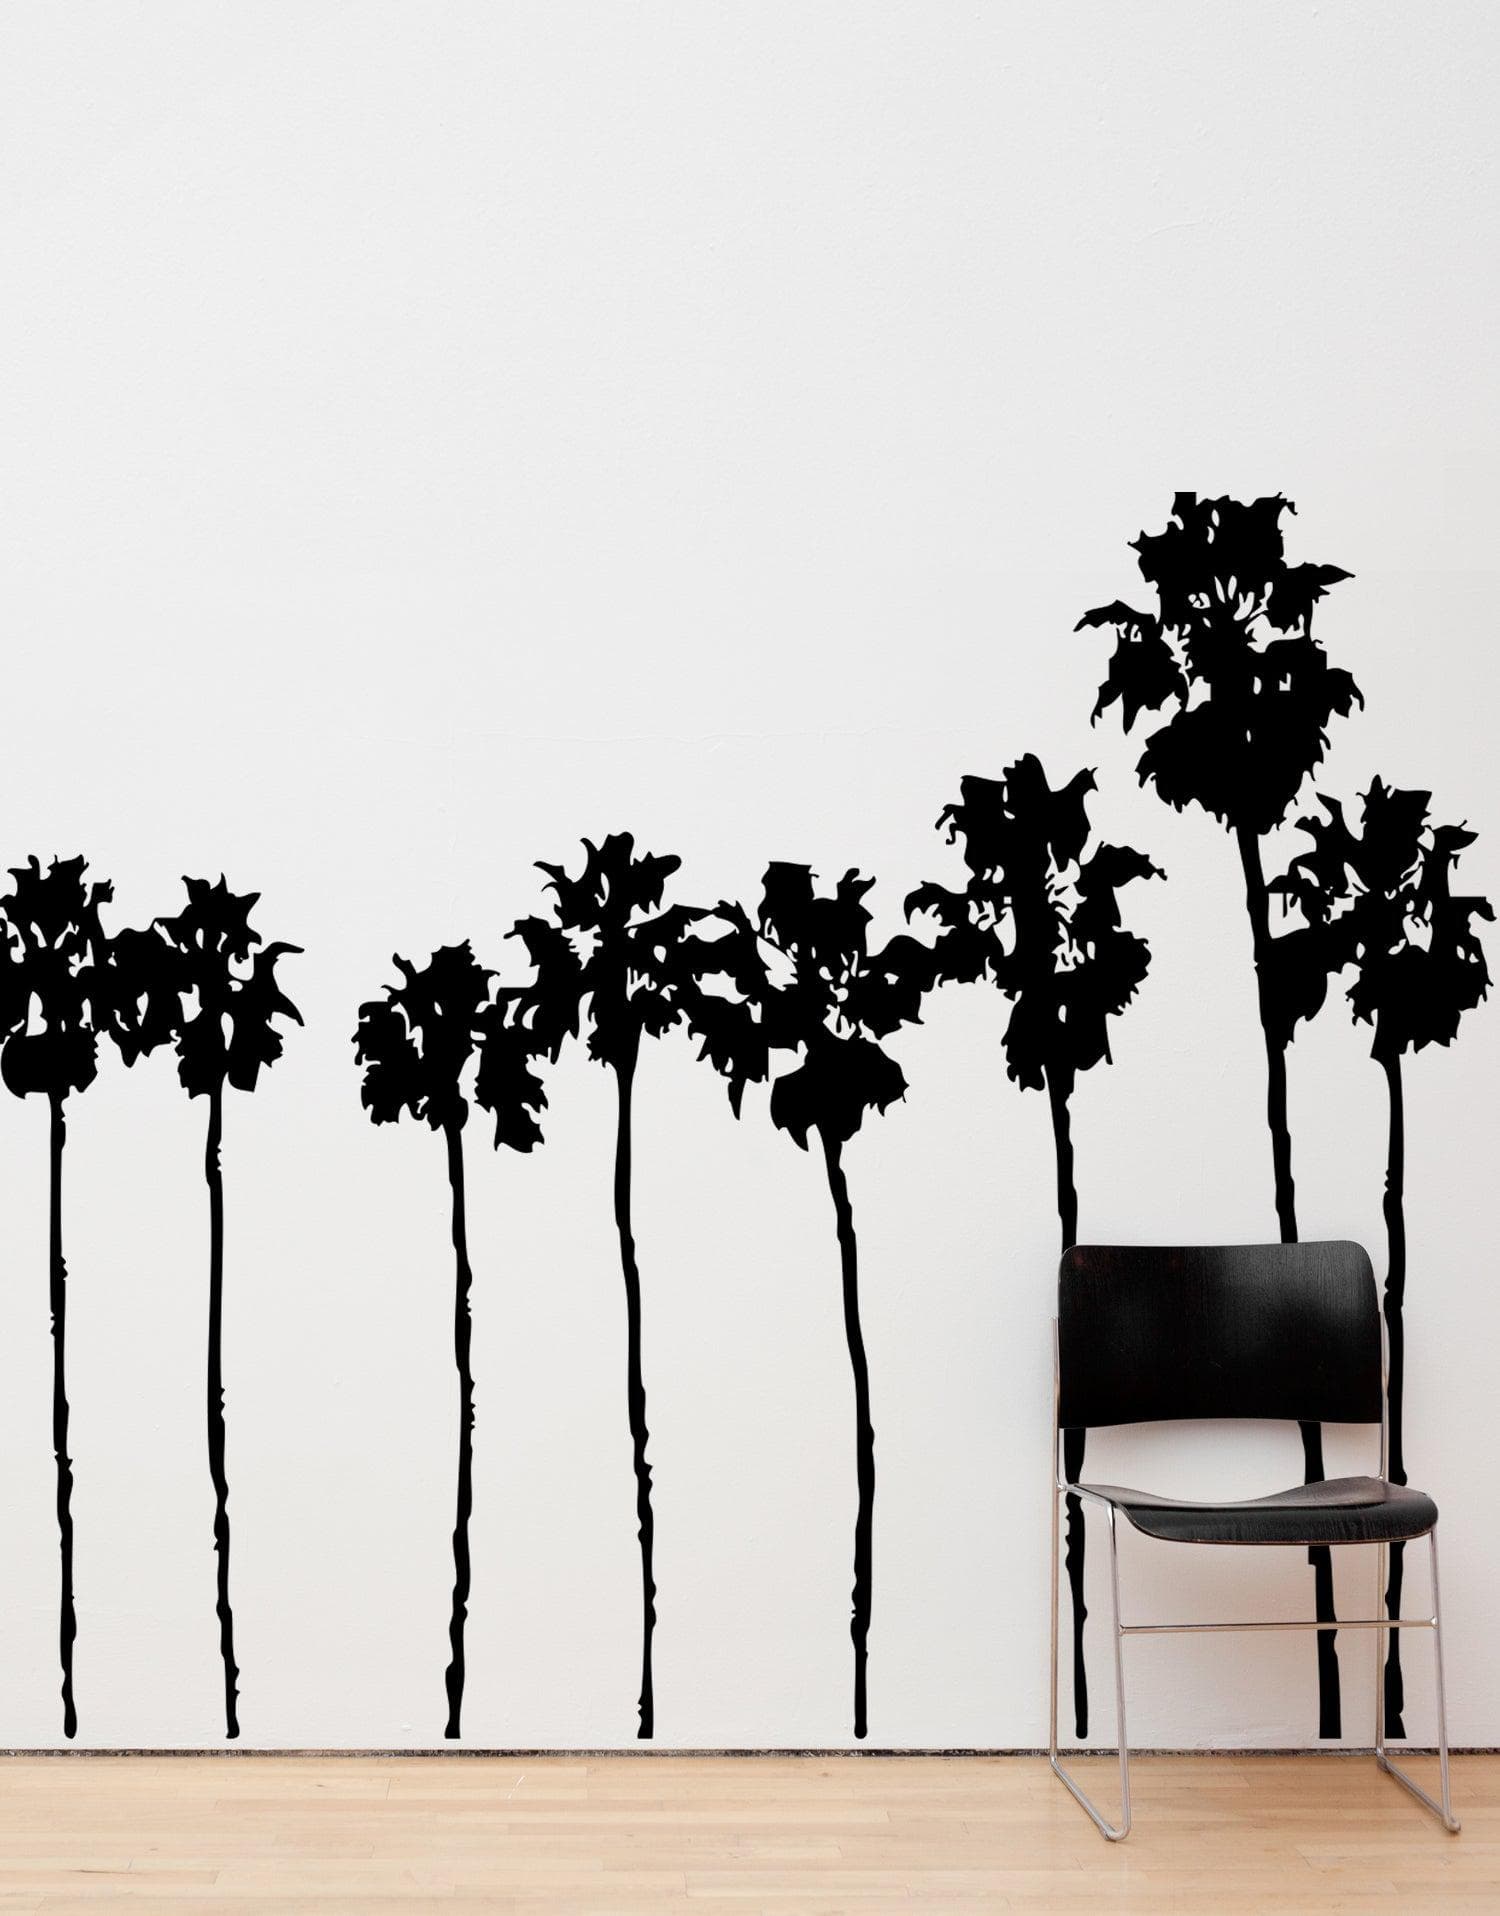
(1379, 1626)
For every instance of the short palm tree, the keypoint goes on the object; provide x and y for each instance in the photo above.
(58, 989)
(198, 982)
(802, 978)
(1382, 899)
(1039, 917)
(613, 956)
(1230, 649)
(416, 1044)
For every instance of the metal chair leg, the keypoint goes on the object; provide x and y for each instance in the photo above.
(1113, 1832)
(1443, 1810)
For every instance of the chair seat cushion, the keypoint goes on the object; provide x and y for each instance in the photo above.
(1340, 1510)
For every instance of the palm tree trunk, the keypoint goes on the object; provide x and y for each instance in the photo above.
(635, 1388)
(214, 1175)
(67, 1618)
(463, 1325)
(1395, 1292)
(1059, 1089)
(864, 1434)
(1258, 904)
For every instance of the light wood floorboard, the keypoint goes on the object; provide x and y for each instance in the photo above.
(731, 1836)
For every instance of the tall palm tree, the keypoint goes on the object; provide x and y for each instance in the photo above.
(198, 981)
(1382, 898)
(802, 978)
(1039, 917)
(416, 1044)
(1230, 647)
(59, 992)
(610, 953)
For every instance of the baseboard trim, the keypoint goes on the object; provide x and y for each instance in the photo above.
(657, 1753)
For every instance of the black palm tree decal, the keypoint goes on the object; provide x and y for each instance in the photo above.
(1040, 918)
(802, 979)
(56, 1004)
(1230, 646)
(1382, 900)
(199, 981)
(613, 954)
(416, 1044)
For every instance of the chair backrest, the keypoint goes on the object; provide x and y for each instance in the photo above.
(1239, 1330)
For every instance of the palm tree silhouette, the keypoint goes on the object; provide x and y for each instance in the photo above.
(1382, 900)
(58, 988)
(198, 981)
(1039, 917)
(802, 978)
(611, 947)
(416, 1044)
(1230, 646)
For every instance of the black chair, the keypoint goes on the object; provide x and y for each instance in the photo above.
(1252, 1330)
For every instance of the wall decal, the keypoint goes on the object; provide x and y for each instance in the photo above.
(802, 978)
(1230, 646)
(613, 955)
(198, 982)
(416, 1044)
(1039, 917)
(1381, 901)
(793, 993)
(56, 1006)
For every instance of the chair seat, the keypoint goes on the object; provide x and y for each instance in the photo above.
(1340, 1510)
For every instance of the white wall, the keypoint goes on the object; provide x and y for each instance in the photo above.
(431, 434)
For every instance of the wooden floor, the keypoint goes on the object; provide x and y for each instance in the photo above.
(641, 1835)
